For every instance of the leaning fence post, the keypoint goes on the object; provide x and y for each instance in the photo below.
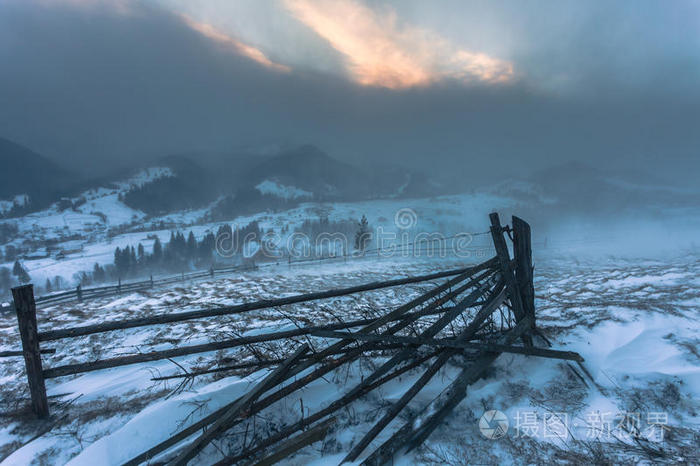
(25, 308)
(79, 292)
(501, 247)
(522, 252)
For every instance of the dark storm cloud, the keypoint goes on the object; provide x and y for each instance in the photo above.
(105, 85)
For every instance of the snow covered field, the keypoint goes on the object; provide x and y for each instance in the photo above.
(635, 321)
(446, 215)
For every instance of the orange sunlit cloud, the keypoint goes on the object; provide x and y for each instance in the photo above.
(239, 47)
(380, 52)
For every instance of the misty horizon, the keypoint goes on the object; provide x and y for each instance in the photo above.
(98, 85)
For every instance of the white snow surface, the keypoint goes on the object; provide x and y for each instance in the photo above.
(280, 190)
(19, 200)
(634, 321)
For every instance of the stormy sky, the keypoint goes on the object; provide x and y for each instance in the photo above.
(475, 88)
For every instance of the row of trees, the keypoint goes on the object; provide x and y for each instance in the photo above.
(181, 252)
(346, 235)
(9, 278)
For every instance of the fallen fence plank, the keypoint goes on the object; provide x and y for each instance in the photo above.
(291, 446)
(268, 362)
(468, 376)
(406, 354)
(257, 407)
(495, 300)
(402, 310)
(328, 367)
(453, 343)
(7, 354)
(414, 430)
(292, 429)
(79, 368)
(245, 307)
(235, 409)
(431, 331)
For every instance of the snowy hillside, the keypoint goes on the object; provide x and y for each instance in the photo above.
(274, 188)
(634, 321)
(446, 215)
(19, 200)
(90, 211)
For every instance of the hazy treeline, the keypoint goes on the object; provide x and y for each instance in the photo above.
(184, 252)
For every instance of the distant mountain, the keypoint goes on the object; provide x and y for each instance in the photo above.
(307, 173)
(310, 169)
(242, 183)
(188, 186)
(575, 188)
(26, 172)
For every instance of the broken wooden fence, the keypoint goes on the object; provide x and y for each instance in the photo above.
(497, 295)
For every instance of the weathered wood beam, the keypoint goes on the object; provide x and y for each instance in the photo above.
(491, 304)
(405, 355)
(265, 363)
(344, 401)
(328, 366)
(291, 446)
(257, 305)
(506, 267)
(402, 310)
(7, 354)
(236, 408)
(522, 253)
(468, 376)
(25, 307)
(431, 331)
(353, 394)
(78, 368)
(416, 429)
(456, 344)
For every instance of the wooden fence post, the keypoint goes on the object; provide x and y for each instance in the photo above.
(211, 271)
(25, 308)
(119, 286)
(499, 243)
(522, 252)
(79, 292)
(151, 280)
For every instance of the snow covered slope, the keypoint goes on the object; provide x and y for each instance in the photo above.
(636, 323)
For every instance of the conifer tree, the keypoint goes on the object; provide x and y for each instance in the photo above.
(363, 235)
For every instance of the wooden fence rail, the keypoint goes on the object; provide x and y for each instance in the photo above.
(37, 374)
(246, 307)
(81, 293)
